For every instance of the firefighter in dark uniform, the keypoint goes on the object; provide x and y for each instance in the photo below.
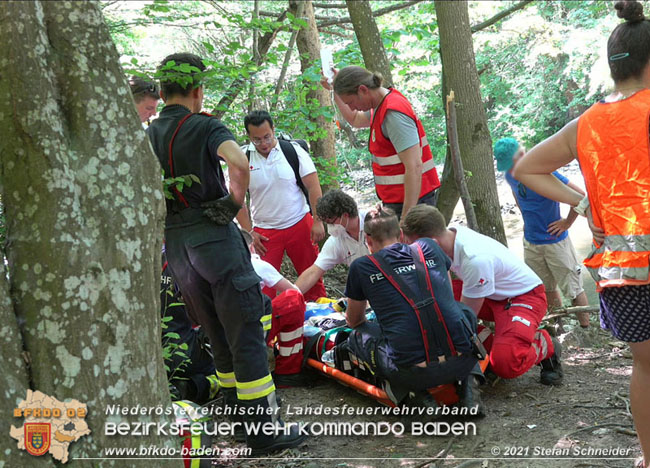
(191, 371)
(207, 256)
(423, 338)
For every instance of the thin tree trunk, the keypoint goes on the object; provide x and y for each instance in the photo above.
(372, 47)
(452, 137)
(309, 47)
(240, 83)
(82, 192)
(459, 72)
(256, 57)
(287, 61)
(349, 132)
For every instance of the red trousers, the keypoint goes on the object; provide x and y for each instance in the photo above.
(296, 241)
(516, 344)
(287, 321)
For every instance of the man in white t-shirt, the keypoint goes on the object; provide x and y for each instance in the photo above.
(280, 220)
(500, 288)
(347, 241)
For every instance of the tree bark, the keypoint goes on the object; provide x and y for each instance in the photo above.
(309, 47)
(459, 74)
(82, 192)
(372, 47)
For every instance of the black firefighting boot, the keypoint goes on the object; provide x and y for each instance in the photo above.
(231, 404)
(265, 431)
(470, 397)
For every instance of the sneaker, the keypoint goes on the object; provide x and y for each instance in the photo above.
(291, 380)
(551, 373)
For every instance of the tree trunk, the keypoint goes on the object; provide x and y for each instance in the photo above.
(459, 74)
(309, 48)
(82, 192)
(372, 47)
(286, 62)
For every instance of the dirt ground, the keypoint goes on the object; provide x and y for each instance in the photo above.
(583, 423)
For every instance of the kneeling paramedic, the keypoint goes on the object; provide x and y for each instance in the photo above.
(424, 338)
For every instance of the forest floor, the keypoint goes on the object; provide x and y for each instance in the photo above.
(583, 423)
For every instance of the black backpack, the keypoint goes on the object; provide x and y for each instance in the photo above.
(292, 158)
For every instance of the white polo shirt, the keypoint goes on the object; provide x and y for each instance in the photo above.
(343, 250)
(266, 271)
(276, 200)
(488, 269)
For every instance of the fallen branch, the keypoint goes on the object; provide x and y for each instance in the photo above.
(622, 430)
(531, 396)
(468, 463)
(564, 311)
(599, 407)
(626, 402)
(597, 426)
(440, 456)
(459, 173)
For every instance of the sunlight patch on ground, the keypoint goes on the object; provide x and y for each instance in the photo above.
(622, 371)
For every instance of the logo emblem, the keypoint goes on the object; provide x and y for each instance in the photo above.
(37, 438)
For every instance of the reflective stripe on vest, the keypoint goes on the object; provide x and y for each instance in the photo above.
(399, 179)
(386, 166)
(256, 389)
(614, 155)
(394, 159)
(620, 260)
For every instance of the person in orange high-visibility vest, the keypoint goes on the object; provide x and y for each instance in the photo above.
(612, 143)
(402, 163)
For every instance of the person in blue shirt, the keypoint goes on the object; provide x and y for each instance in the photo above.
(548, 251)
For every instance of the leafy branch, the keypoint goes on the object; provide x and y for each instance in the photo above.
(178, 183)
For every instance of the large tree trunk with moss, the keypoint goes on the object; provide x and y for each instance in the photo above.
(460, 74)
(370, 43)
(82, 195)
(322, 148)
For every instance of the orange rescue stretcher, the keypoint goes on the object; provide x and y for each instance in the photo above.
(444, 394)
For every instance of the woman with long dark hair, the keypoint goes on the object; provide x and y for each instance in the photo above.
(611, 140)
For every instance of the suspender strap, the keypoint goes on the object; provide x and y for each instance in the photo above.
(440, 329)
(435, 337)
(171, 159)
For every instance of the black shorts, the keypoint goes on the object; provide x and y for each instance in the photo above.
(625, 311)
